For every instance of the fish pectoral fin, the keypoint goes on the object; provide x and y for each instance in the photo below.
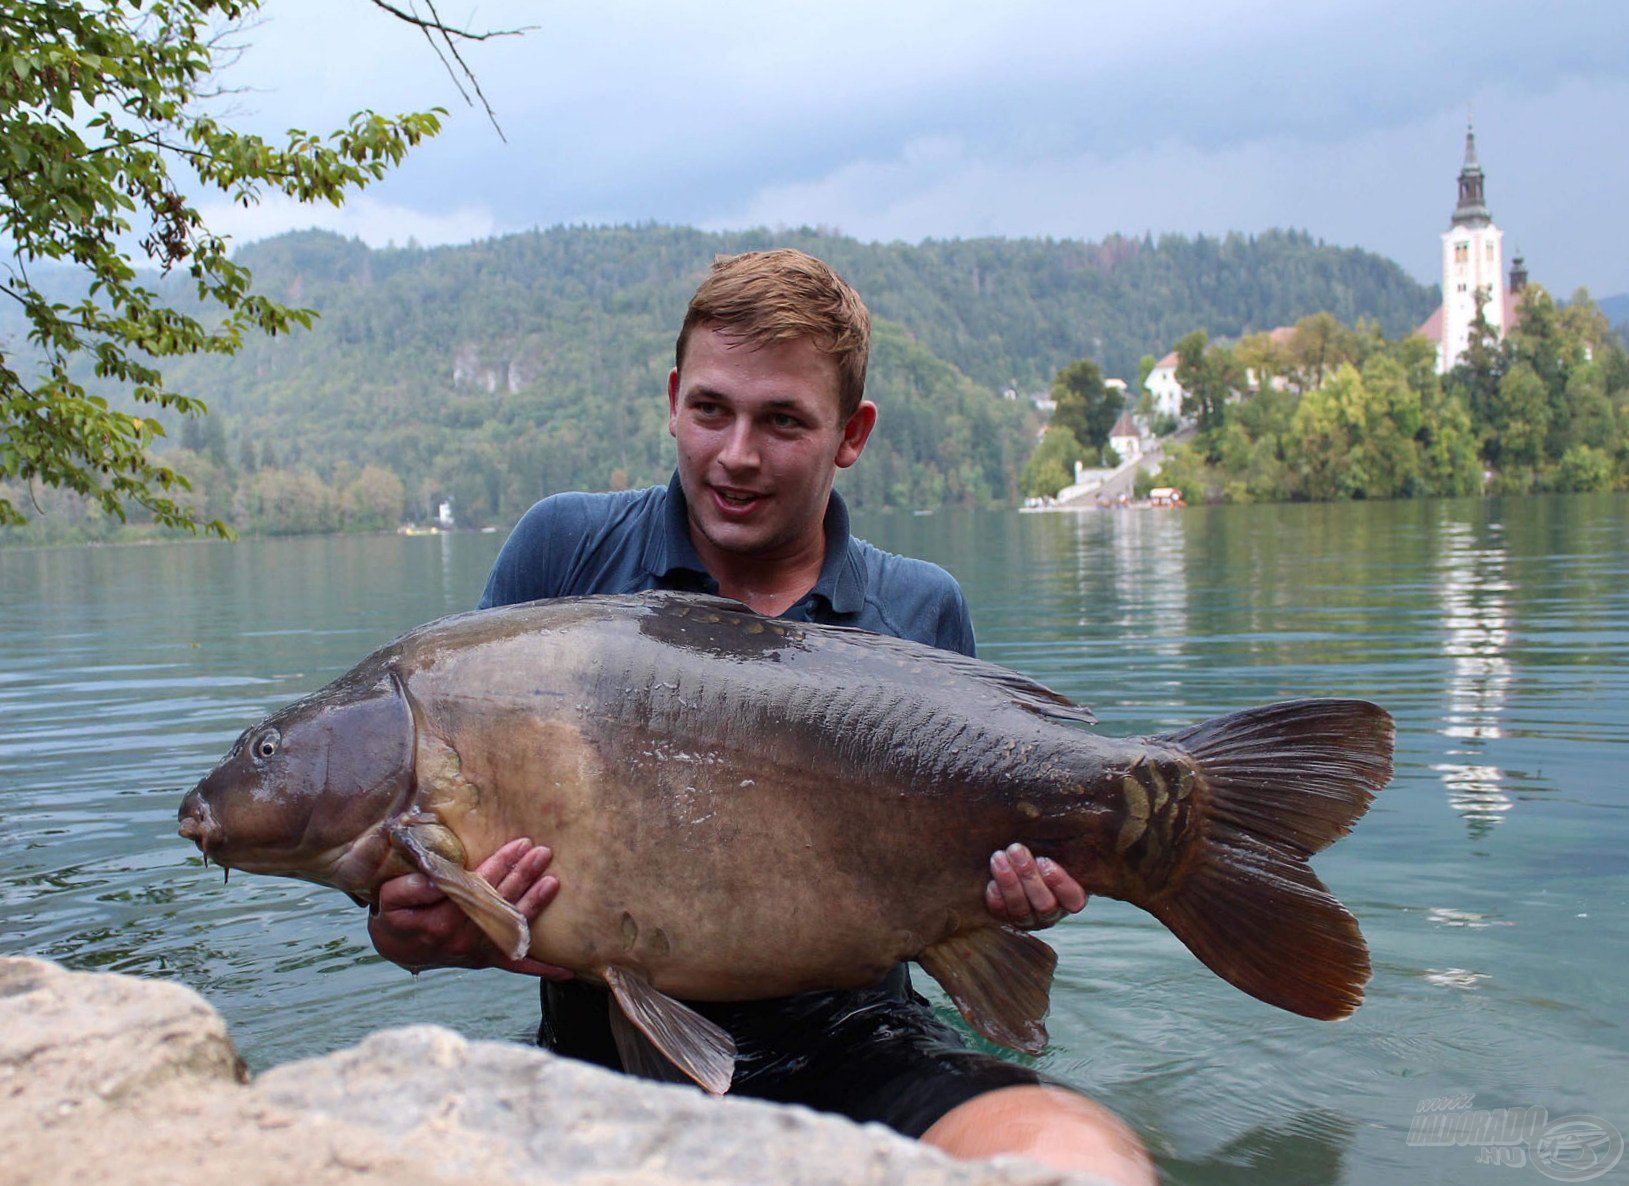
(1000, 980)
(648, 1023)
(486, 907)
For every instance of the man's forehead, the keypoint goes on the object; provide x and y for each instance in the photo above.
(734, 341)
(794, 371)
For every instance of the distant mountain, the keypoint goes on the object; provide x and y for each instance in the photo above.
(504, 370)
(1616, 308)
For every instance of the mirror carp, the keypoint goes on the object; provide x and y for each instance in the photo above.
(742, 807)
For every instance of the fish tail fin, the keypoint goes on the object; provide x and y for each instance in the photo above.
(1279, 784)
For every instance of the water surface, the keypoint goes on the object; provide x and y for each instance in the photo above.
(1490, 878)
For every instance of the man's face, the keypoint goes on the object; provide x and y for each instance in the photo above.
(760, 440)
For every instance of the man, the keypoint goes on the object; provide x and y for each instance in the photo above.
(765, 402)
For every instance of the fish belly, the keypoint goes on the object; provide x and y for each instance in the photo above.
(727, 876)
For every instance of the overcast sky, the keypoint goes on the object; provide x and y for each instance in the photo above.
(907, 120)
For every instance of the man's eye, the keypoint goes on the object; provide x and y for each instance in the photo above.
(704, 407)
(782, 420)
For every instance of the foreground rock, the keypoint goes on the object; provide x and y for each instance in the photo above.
(112, 1078)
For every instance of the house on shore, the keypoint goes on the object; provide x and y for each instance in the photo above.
(1125, 438)
(1162, 386)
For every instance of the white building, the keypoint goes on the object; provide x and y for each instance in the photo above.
(1472, 270)
(1125, 438)
(1162, 386)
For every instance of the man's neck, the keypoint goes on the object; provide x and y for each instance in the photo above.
(770, 585)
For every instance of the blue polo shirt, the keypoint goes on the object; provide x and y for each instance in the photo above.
(576, 544)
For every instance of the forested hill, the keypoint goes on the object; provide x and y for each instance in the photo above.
(501, 371)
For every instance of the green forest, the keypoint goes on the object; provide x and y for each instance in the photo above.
(1343, 413)
(498, 372)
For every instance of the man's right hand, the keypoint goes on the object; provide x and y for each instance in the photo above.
(417, 926)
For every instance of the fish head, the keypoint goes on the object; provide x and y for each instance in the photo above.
(299, 792)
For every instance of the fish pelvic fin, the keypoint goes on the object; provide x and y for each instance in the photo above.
(652, 1029)
(426, 844)
(1279, 783)
(1001, 981)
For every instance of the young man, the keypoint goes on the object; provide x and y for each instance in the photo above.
(766, 403)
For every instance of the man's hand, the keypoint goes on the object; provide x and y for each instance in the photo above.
(1027, 893)
(417, 926)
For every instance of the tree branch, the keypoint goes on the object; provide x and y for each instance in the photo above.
(436, 25)
(433, 27)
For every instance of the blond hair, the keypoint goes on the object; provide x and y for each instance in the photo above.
(762, 297)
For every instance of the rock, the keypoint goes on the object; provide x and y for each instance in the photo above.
(67, 1038)
(110, 1076)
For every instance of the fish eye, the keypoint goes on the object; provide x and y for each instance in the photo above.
(266, 744)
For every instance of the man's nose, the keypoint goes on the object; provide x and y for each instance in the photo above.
(740, 449)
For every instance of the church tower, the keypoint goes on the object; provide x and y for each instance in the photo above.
(1472, 264)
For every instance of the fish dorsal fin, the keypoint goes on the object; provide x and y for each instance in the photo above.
(423, 842)
(1000, 980)
(1003, 681)
(677, 599)
(686, 1039)
(1026, 693)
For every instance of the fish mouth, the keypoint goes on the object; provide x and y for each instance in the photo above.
(199, 825)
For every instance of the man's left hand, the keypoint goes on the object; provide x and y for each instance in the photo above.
(1027, 893)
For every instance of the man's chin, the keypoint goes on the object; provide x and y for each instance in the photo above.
(740, 539)
(754, 538)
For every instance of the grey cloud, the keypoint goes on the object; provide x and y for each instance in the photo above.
(686, 113)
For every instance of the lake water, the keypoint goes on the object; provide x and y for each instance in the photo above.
(1491, 878)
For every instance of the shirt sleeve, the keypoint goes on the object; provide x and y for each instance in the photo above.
(535, 559)
(956, 623)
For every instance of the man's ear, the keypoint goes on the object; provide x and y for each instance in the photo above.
(673, 402)
(856, 432)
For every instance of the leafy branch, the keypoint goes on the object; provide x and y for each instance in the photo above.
(99, 130)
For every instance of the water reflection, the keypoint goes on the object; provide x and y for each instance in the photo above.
(1150, 575)
(1308, 1148)
(1474, 590)
(1131, 584)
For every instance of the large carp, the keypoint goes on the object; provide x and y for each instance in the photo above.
(742, 807)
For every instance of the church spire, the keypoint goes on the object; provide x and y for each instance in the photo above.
(1472, 209)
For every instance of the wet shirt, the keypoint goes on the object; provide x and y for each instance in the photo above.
(578, 544)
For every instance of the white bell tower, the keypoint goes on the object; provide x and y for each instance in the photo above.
(1472, 264)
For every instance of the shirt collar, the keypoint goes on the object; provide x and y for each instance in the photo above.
(668, 548)
(842, 573)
